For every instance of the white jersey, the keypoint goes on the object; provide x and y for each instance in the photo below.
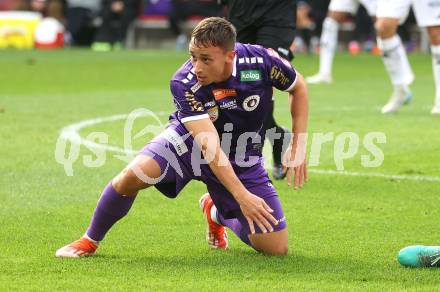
(427, 12)
(351, 6)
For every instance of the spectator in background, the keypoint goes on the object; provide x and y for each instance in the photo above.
(116, 18)
(33, 5)
(47, 8)
(80, 16)
(182, 9)
(6, 5)
(157, 8)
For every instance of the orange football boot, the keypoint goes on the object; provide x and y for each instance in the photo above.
(77, 249)
(216, 235)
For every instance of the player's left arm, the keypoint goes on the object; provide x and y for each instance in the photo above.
(284, 77)
(296, 161)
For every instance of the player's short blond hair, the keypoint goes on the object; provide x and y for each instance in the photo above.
(214, 32)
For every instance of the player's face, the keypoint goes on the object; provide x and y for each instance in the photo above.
(211, 64)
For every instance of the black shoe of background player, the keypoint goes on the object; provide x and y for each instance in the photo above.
(279, 172)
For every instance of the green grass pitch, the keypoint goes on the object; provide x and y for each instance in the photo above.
(345, 231)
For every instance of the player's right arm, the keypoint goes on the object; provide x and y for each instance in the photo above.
(253, 207)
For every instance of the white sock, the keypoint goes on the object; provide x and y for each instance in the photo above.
(328, 43)
(435, 51)
(396, 61)
(214, 214)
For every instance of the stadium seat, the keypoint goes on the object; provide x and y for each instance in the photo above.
(152, 31)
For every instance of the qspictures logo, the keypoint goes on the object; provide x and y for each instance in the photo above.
(250, 75)
(345, 146)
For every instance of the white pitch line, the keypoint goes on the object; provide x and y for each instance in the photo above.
(70, 133)
(376, 174)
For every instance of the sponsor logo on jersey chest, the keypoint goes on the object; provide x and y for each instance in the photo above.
(250, 75)
(222, 93)
(232, 104)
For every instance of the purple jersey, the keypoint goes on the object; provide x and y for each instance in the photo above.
(238, 105)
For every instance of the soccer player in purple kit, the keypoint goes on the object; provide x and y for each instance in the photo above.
(221, 95)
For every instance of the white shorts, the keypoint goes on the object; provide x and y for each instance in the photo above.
(351, 6)
(427, 12)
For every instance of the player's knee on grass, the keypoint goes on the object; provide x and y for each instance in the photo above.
(386, 27)
(273, 243)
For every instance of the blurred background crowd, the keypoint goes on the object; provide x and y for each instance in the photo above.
(105, 25)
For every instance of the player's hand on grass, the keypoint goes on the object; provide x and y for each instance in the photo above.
(299, 175)
(296, 163)
(257, 211)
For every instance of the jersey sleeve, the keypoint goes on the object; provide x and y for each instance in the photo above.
(281, 73)
(188, 105)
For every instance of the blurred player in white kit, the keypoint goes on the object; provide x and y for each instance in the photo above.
(391, 13)
(338, 12)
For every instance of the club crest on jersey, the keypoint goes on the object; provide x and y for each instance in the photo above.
(222, 93)
(213, 113)
(251, 102)
(250, 75)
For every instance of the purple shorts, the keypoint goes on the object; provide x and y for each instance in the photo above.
(174, 157)
(278, 213)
